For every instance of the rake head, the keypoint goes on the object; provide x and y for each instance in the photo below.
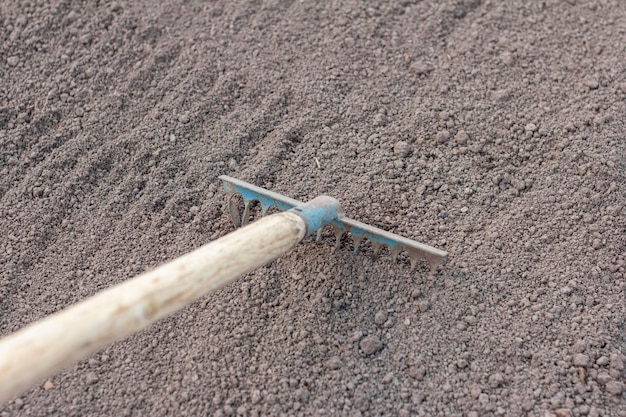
(341, 225)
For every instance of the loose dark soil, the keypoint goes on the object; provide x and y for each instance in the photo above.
(494, 130)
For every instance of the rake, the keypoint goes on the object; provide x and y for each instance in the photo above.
(49, 345)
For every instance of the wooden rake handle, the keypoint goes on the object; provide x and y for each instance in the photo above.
(62, 339)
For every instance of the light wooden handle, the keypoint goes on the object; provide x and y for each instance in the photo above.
(60, 340)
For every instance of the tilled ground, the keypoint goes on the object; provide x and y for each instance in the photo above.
(494, 130)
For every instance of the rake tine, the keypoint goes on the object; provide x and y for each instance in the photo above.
(357, 244)
(376, 247)
(413, 262)
(395, 251)
(246, 213)
(338, 235)
(233, 211)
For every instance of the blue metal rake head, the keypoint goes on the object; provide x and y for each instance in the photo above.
(340, 224)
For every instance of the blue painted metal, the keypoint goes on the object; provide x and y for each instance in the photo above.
(318, 212)
(318, 216)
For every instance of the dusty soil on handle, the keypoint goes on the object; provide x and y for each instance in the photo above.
(493, 130)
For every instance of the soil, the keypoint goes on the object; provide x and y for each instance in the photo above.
(493, 130)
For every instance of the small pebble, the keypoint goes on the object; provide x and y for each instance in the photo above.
(12, 61)
(402, 149)
(417, 398)
(442, 137)
(602, 361)
(591, 83)
(303, 395)
(614, 387)
(23, 117)
(420, 68)
(334, 363)
(496, 380)
(255, 397)
(617, 362)
(417, 372)
(361, 401)
(579, 347)
(370, 345)
(528, 405)
(357, 335)
(501, 95)
(506, 58)
(381, 317)
(388, 378)
(48, 385)
(530, 127)
(72, 16)
(379, 120)
(91, 378)
(183, 118)
(461, 137)
(580, 359)
(604, 378)
(563, 412)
